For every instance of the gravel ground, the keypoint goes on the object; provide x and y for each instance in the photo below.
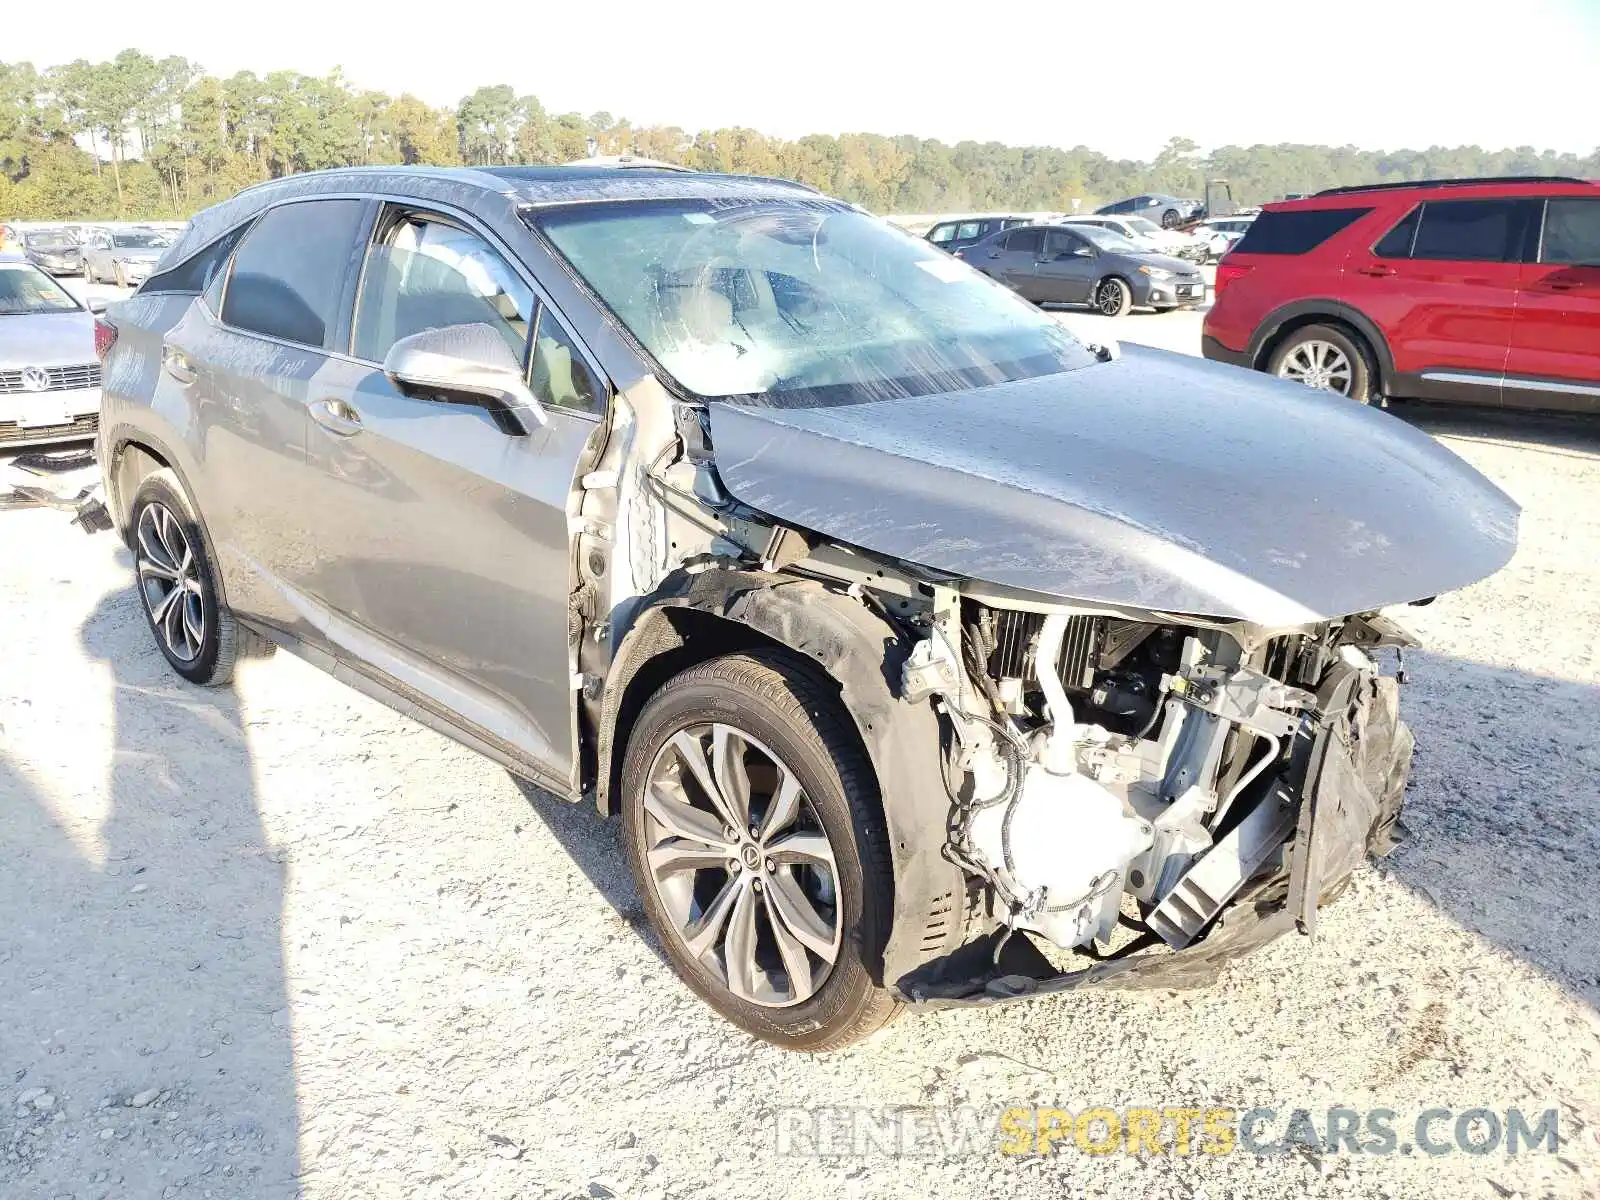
(276, 941)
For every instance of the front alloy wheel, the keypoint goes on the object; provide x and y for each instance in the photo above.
(742, 865)
(1112, 298)
(754, 828)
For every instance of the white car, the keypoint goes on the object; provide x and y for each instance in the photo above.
(1147, 235)
(1220, 233)
(49, 372)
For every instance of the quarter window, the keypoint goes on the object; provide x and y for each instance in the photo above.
(425, 274)
(195, 274)
(290, 273)
(1572, 232)
(560, 377)
(1471, 230)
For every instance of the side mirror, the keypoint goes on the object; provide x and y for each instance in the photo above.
(95, 304)
(465, 364)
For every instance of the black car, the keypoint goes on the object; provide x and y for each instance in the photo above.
(54, 251)
(1081, 264)
(959, 232)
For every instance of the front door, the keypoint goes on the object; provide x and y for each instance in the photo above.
(1555, 340)
(1066, 268)
(450, 532)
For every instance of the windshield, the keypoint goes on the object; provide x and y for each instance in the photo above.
(50, 239)
(1105, 239)
(25, 289)
(798, 303)
(140, 241)
(1143, 225)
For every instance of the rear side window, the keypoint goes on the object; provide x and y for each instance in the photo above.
(290, 273)
(195, 274)
(1572, 232)
(968, 230)
(1397, 242)
(1295, 231)
(1472, 230)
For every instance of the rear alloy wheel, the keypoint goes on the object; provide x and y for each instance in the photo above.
(176, 580)
(1325, 358)
(1112, 298)
(753, 828)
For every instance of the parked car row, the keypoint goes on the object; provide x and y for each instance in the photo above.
(1485, 291)
(1086, 264)
(120, 253)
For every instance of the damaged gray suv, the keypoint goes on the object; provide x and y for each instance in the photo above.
(927, 655)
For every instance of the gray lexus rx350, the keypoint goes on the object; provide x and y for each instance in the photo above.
(927, 655)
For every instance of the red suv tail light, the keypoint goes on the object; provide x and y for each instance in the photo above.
(105, 337)
(1227, 272)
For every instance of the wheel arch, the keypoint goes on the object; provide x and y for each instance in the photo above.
(129, 457)
(1284, 321)
(860, 653)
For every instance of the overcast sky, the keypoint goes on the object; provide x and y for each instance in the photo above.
(1121, 78)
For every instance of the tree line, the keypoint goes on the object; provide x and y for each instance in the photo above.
(140, 137)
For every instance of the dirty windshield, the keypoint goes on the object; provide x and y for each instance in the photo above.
(797, 304)
(26, 291)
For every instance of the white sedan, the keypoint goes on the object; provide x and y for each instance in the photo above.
(1147, 235)
(49, 373)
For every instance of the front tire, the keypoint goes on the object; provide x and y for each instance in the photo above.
(1112, 298)
(753, 826)
(1325, 357)
(176, 581)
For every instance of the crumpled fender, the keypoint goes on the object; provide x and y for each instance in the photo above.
(862, 653)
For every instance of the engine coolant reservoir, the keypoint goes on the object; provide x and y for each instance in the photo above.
(1066, 835)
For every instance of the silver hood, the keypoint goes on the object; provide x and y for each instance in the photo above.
(64, 339)
(1156, 481)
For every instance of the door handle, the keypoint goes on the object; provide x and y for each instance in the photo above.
(1563, 285)
(336, 417)
(176, 363)
(1376, 270)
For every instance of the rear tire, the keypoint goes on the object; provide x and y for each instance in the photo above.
(1327, 357)
(194, 630)
(785, 734)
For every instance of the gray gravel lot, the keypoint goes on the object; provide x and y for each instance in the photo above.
(276, 941)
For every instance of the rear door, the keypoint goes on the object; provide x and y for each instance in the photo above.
(1442, 285)
(248, 368)
(1555, 339)
(1011, 259)
(447, 535)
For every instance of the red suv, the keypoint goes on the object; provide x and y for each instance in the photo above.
(1485, 291)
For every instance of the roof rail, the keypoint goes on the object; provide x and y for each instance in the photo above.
(1425, 183)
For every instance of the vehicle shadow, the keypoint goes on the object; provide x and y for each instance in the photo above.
(1574, 435)
(1502, 811)
(595, 845)
(145, 989)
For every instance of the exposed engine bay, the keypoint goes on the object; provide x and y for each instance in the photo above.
(1116, 781)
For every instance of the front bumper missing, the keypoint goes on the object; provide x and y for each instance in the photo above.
(1351, 787)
